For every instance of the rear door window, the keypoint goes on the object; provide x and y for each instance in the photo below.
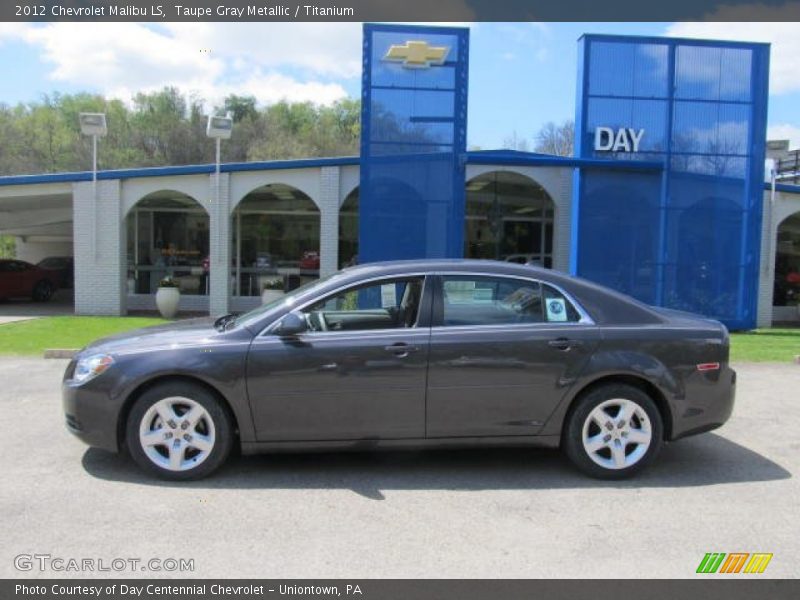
(485, 300)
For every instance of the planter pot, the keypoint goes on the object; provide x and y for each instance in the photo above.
(167, 299)
(268, 296)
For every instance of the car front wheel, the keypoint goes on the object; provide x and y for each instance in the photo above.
(42, 291)
(179, 431)
(614, 432)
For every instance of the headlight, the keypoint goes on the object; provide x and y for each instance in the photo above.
(91, 366)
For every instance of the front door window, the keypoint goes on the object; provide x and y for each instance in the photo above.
(388, 304)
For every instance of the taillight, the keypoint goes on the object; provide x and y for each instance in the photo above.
(708, 366)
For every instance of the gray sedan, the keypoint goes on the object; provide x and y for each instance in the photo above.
(409, 354)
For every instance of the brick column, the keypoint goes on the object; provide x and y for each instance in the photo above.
(329, 220)
(219, 245)
(562, 223)
(99, 248)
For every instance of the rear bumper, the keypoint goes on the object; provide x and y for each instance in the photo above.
(708, 403)
(91, 416)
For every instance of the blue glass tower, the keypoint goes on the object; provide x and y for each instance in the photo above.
(413, 142)
(688, 237)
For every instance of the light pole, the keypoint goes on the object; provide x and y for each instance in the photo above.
(771, 178)
(219, 128)
(94, 125)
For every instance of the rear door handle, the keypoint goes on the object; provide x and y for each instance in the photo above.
(401, 350)
(564, 343)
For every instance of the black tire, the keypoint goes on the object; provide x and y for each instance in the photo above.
(42, 291)
(572, 441)
(222, 427)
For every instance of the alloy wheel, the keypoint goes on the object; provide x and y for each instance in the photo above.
(617, 434)
(43, 291)
(177, 433)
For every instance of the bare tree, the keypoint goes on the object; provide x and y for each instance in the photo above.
(723, 156)
(514, 142)
(556, 139)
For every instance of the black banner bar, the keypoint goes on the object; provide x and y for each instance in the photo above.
(710, 588)
(399, 10)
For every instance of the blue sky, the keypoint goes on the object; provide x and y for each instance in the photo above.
(521, 74)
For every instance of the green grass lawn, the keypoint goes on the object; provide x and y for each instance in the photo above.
(34, 336)
(765, 345)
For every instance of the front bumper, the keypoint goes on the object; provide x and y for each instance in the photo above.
(91, 415)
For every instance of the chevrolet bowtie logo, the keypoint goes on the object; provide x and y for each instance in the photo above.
(417, 55)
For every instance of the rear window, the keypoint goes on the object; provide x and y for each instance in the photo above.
(471, 300)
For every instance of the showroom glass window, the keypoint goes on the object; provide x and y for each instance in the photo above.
(787, 263)
(275, 241)
(168, 235)
(509, 217)
(472, 300)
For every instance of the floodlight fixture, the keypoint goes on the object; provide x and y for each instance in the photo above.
(219, 127)
(93, 124)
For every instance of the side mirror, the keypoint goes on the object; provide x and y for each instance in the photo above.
(291, 324)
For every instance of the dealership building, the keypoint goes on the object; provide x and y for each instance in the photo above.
(665, 197)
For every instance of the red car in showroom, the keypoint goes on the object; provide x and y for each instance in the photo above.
(310, 261)
(20, 279)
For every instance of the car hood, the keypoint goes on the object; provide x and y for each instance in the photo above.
(187, 332)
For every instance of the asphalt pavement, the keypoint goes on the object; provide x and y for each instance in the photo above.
(476, 513)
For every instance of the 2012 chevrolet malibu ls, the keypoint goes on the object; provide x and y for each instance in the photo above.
(409, 354)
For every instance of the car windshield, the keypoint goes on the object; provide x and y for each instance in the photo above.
(257, 313)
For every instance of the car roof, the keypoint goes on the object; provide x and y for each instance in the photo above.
(440, 264)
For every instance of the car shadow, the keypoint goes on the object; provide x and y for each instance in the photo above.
(704, 460)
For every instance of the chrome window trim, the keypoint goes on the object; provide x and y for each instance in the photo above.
(585, 319)
(533, 327)
(400, 332)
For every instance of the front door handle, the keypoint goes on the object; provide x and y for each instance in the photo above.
(564, 343)
(401, 350)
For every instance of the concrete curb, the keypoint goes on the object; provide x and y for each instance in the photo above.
(4, 320)
(59, 353)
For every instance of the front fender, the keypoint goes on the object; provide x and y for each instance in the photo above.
(221, 368)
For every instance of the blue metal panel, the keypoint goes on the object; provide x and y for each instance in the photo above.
(413, 146)
(789, 188)
(580, 150)
(481, 157)
(702, 105)
(531, 159)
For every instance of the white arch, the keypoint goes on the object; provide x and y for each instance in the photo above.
(549, 178)
(786, 205)
(305, 180)
(349, 180)
(194, 186)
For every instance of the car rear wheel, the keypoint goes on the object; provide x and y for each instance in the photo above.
(614, 432)
(179, 431)
(42, 291)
